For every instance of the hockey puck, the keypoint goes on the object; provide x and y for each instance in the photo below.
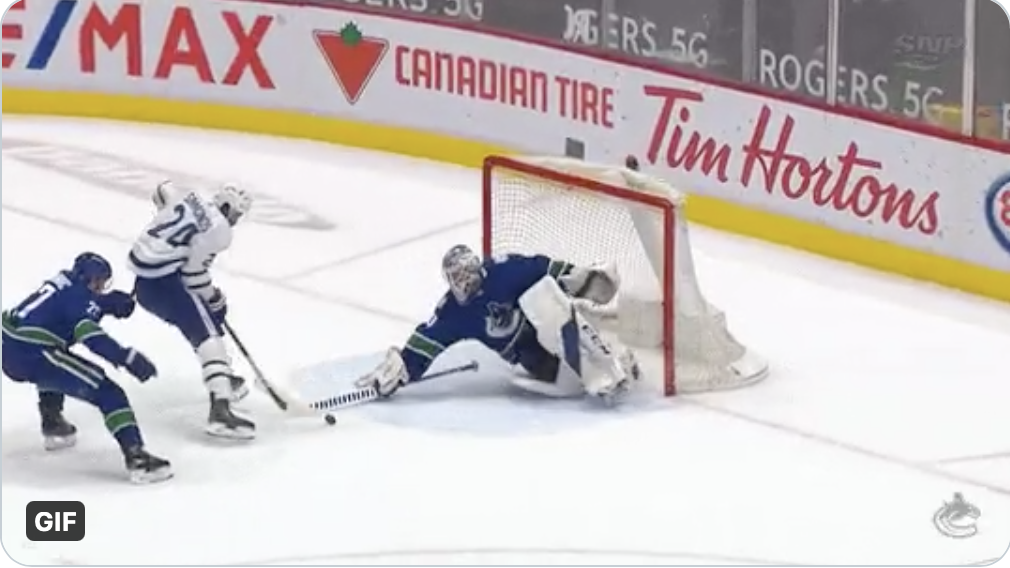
(331, 420)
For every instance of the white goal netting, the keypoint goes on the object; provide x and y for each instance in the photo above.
(585, 213)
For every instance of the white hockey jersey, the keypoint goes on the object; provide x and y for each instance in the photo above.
(184, 237)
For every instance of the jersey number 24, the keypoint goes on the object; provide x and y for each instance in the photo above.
(176, 231)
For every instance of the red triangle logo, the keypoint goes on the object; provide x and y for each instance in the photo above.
(353, 58)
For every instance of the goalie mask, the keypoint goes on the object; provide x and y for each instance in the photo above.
(464, 272)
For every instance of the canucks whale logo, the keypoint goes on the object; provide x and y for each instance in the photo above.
(957, 518)
(502, 320)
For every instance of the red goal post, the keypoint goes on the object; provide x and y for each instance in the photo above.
(584, 213)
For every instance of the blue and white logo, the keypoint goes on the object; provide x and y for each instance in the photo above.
(997, 211)
(502, 321)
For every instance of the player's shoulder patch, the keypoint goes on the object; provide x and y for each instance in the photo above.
(94, 310)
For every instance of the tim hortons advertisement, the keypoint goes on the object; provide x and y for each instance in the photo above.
(867, 179)
(859, 177)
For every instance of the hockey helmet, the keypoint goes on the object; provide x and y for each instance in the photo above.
(464, 272)
(93, 270)
(233, 202)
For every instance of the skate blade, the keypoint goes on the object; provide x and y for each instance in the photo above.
(57, 443)
(226, 433)
(141, 477)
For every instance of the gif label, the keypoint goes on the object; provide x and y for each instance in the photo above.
(55, 520)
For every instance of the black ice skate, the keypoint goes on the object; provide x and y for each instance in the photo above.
(224, 423)
(57, 433)
(239, 388)
(146, 468)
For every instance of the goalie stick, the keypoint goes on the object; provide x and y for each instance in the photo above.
(326, 406)
(365, 395)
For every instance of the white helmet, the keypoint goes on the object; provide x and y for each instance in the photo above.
(233, 201)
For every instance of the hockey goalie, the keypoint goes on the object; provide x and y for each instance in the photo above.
(526, 309)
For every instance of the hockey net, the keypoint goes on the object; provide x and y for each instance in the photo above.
(584, 213)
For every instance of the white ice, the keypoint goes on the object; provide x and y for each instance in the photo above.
(887, 396)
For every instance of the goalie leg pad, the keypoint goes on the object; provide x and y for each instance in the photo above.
(562, 330)
(612, 370)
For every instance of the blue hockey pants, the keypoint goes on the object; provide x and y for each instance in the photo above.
(170, 300)
(57, 372)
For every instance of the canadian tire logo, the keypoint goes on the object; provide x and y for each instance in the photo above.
(353, 58)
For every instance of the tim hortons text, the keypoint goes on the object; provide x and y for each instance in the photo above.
(849, 182)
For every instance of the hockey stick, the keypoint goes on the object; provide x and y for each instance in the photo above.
(365, 395)
(260, 378)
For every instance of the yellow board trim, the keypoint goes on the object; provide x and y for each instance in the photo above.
(708, 211)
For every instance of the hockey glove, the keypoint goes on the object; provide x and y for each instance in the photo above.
(139, 366)
(598, 283)
(388, 377)
(218, 305)
(117, 304)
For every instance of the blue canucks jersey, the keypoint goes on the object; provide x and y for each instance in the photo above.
(61, 313)
(492, 317)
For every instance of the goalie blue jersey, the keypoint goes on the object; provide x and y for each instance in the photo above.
(492, 316)
(61, 313)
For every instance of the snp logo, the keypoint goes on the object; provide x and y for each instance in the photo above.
(54, 521)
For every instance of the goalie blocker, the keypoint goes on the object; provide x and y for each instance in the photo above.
(518, 306)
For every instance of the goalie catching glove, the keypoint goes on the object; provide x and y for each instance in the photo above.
(388, 377)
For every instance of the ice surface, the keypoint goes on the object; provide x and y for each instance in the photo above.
(886, 397)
